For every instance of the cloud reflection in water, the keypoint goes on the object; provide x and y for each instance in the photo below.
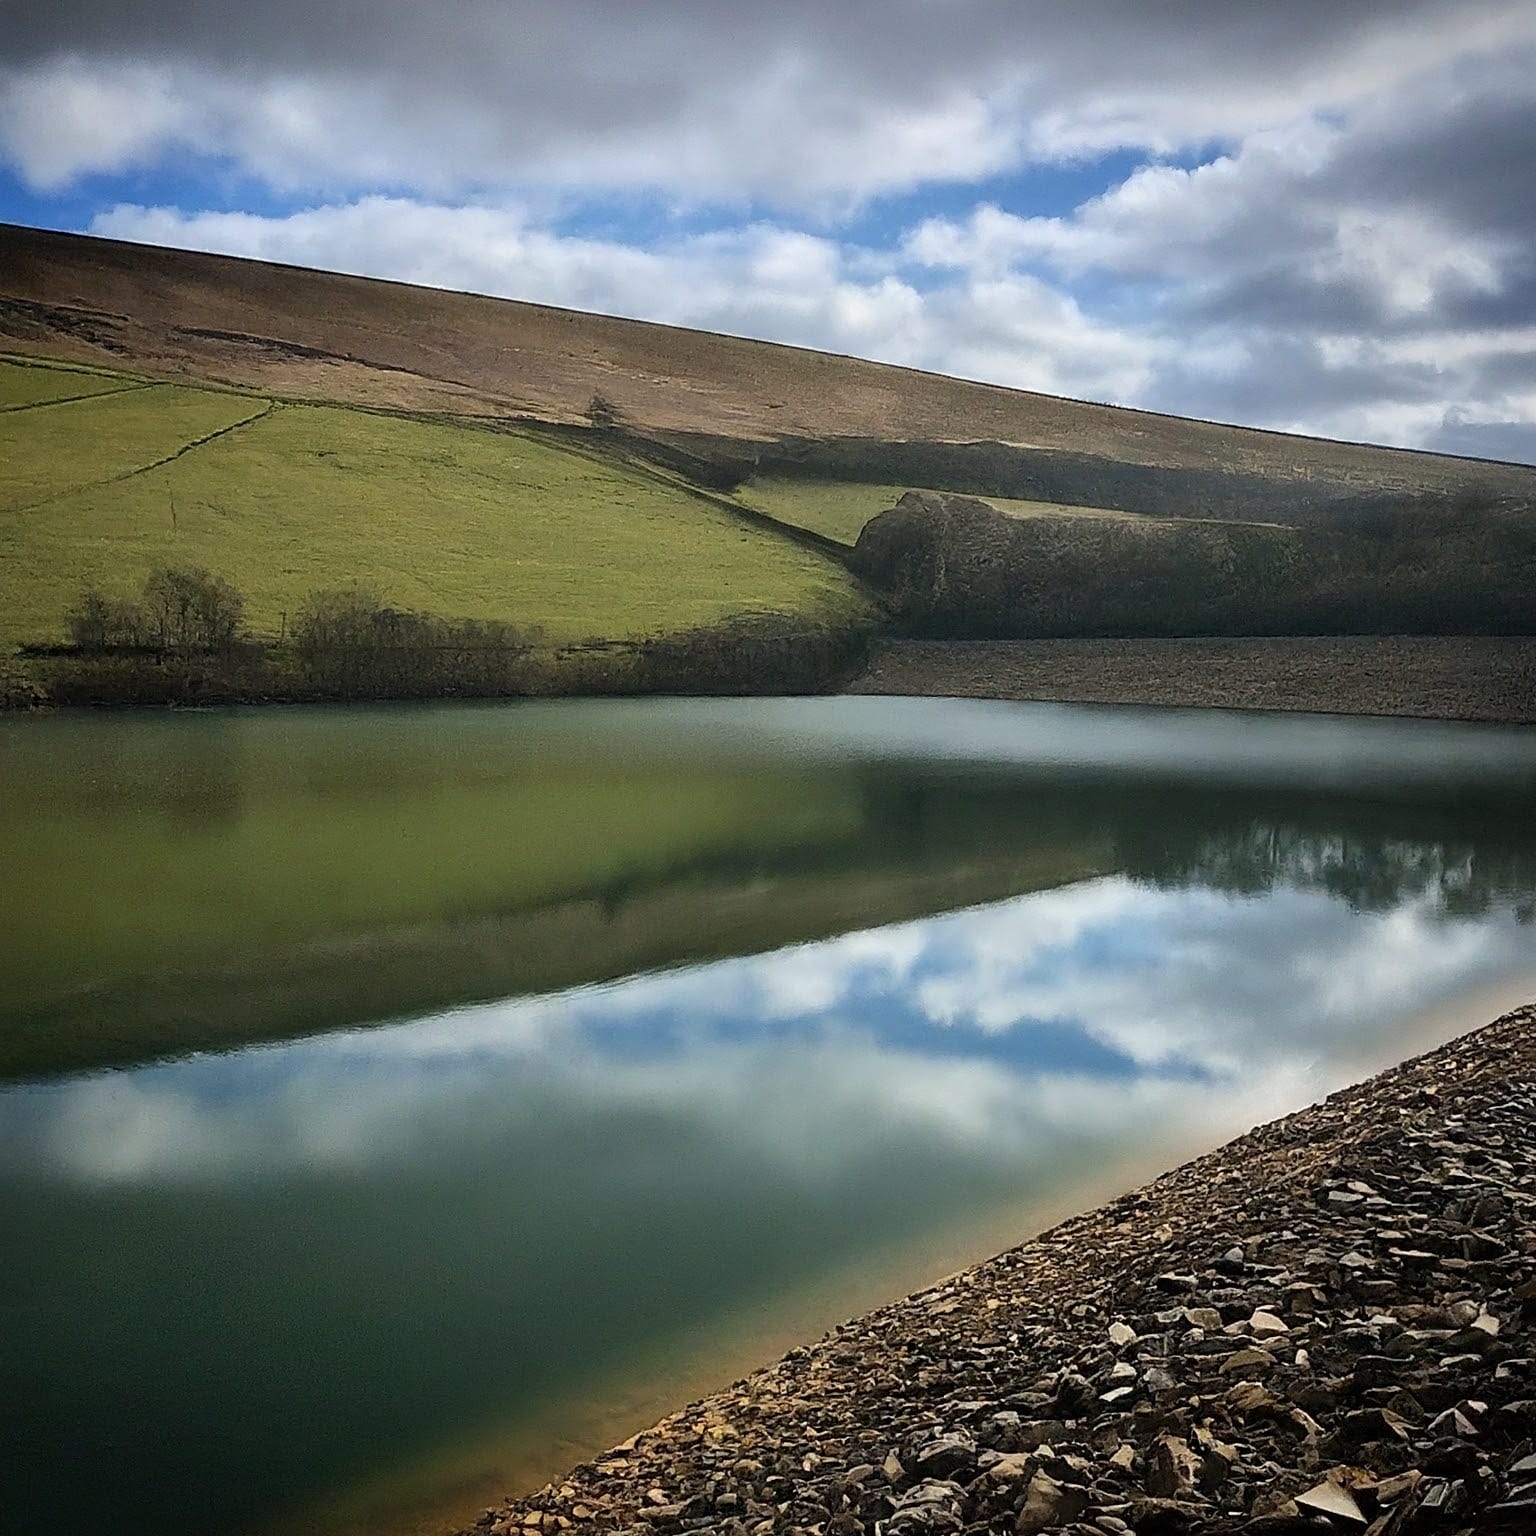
(995, 1030)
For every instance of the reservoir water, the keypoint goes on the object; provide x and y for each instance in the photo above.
(398, 1104)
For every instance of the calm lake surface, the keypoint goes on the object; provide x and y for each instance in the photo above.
(397, 1104)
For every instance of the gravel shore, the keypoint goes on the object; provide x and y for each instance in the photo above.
(1327, 1325)
(1437, 677)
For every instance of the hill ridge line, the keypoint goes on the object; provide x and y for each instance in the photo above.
(880, 375)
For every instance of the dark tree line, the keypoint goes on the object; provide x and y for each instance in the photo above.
(352, 643)
(180, 608)
(184, 640)
(955, 567)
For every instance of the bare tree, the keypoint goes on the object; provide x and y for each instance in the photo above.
(188, 608)
(98, 621)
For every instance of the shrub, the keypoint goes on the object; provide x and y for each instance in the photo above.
(101, 623)
(353, 644)
(188, 609)
(182, 609)
(88, 621)
(602, 413)
(956, 568)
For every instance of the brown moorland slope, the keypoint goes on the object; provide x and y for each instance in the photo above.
(318, 335)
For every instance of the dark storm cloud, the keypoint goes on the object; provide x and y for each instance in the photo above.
(529, 40)
(1512, 441)
(1361, 271)
(793, 98)
(1512, 304)
(1512, 371)
(1281, 295)
(1467, 151)
(1416, 242)
(1337, 304)
(1415, 218)
(1279, 369)
(1459, 163)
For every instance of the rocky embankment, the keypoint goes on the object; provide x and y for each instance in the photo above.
(1328, 1325)
(1490, 678)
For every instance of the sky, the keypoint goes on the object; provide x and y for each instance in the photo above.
(1295, 214)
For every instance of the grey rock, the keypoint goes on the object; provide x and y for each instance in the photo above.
(933, 1506)
(947, 1455)
(1048, 1504)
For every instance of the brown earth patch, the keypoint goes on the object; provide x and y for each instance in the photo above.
(1434, 677)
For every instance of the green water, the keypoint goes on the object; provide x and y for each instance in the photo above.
(390, 1088)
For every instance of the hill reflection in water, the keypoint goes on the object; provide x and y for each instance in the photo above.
(203, 881)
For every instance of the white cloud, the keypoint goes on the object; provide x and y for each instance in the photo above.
(1310, 278)
(1280, 959)
(69, 117)
(1275, 999)
(1153, 224)
(1273, 203)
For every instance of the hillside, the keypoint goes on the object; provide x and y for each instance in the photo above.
(119, 474)
(584, 479)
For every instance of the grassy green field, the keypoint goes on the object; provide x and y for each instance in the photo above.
(840, 508)
(94, 443)
(24, 384)
(447, 518)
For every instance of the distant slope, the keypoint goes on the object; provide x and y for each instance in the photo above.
(840, 509)
(317, 335)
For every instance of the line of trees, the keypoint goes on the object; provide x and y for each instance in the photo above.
(352, 643)
(955, 567)
(184, 639)
(180, 608)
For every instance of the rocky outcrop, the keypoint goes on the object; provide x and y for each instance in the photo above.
(1329, 1325)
